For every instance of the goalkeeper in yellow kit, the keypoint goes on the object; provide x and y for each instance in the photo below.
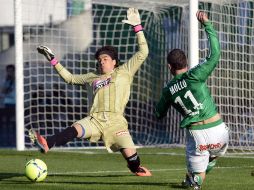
(111, 89)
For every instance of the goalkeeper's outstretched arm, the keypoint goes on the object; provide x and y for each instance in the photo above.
(64, 73)
(50, 56)
(133, 19)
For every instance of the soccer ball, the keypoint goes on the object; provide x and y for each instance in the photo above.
(36, 170)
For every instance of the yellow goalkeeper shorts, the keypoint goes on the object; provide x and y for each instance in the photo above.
(112, 128)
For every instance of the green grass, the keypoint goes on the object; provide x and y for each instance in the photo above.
(99, 170)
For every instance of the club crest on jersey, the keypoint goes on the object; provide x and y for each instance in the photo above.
(177, 86)
(100, 84)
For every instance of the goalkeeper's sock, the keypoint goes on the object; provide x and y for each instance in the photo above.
(63, 137)
(134, 165)
(133, 162)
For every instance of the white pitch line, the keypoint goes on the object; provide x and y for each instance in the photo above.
(229, 155)
(120, 171)
(153, 170)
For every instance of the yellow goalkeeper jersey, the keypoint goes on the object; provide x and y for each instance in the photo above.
(111, 91)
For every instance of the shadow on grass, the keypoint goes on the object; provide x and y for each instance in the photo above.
(90, 175)
(176, 186)
(8, 176)
(96, 183)
(125, 184)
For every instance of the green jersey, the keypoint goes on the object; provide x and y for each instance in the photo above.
(188, 92)
(111, 90)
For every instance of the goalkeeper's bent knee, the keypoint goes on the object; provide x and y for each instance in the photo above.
(133, 162)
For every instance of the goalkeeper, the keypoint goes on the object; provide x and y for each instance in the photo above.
(111, 89)
(207, 135)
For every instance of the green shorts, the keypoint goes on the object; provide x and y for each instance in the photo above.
(112, 128)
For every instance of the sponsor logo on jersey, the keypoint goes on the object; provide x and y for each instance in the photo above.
(120, 133)
(177, 86)
(100, 84)
(209, 147)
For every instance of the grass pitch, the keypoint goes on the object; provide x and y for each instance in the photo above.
(99, 170)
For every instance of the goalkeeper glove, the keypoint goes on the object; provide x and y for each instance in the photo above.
(133, 18)
(44, 50)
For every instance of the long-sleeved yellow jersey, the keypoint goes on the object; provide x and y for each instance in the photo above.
(111, 91)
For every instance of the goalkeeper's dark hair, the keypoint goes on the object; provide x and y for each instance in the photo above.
(109, 50)
(177, 59)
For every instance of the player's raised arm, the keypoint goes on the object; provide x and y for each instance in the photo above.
(64, 73)
(202, 17)
(133, 19)
(205, 69)
(50, 56)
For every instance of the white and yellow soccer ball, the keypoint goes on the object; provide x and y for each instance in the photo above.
(36, 170)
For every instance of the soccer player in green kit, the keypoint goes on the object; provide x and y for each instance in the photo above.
(206, 133)
(111, 90)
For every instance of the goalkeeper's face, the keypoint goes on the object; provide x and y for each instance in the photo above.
(106, 63)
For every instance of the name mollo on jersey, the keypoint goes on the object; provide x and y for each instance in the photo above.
(178, 86)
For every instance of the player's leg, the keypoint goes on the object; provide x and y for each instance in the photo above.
(58, 139)
(80, 129)
(124, 143)
(211, 143)
(193, 180)
(220, 136)
(196, 158)
(69, 134)
(211, 164)
(117, 138)
(133, 162)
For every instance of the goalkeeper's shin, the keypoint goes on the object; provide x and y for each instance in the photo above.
(134, 165)
(62, 137)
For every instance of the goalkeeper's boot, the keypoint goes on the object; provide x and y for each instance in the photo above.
(192, 181)
(142, 171)
(39, 141)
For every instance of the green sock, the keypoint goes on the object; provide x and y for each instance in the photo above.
(210, 166)
(198, 179)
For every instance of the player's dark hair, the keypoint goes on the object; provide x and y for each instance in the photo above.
(177, 59)
(109, 50)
